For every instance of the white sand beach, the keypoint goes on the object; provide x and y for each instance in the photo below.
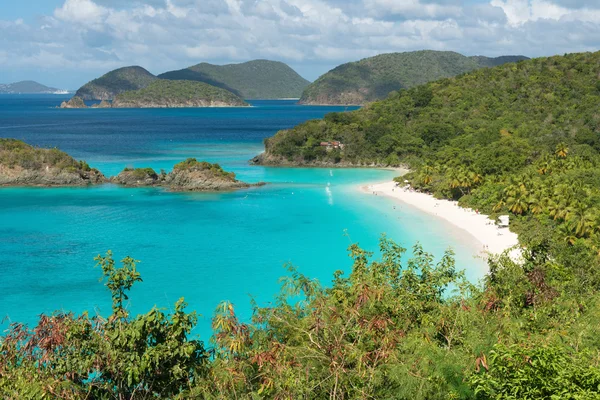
(493, 239)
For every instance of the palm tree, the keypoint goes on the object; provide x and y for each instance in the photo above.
(561, 150)
(427, 174)
(518, 204)
(582, 220)
(568, 233)
(537, 203)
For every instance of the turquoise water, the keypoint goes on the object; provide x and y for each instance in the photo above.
(204, 247)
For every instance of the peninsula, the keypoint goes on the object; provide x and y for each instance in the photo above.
(25, 165)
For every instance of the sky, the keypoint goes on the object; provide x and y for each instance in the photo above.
(65, 43)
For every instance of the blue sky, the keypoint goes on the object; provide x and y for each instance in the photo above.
(65, 43)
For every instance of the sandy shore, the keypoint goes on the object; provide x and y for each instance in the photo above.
(493, 240)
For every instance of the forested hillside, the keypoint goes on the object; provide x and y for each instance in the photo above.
(114, 82)
(374, 78)
(520, 138)
(258, 79)
(165, 93)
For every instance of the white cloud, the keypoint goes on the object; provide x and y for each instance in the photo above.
(81, 11)
(312, 35)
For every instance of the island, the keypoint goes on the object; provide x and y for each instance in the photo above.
(373, 78)
(257, 79)
(178, 94)
(29, 87)
(114, 82)
(190, 175)
(25, 165)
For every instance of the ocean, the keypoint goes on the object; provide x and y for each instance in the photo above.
(205, 247)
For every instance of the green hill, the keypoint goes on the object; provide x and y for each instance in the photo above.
(118, 81)
(259, 79)
(164, 93)
(520, 138)
(374, 78)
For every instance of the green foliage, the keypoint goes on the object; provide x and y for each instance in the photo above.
(537, 372)
(259, 79)
(77, 357)
(376, 77)
(17, 154)
(191, 164)
(142, 173)
(170, 93)
(114, 82)
(390, 329)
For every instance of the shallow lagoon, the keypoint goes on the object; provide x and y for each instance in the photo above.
(204, 247)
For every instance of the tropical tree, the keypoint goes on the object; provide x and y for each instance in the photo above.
(562, 150)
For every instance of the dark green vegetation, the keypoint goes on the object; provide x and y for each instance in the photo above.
(191, 164)
(259, 79)
(391, 329)
(22, 164)
(374, 78)
(520, 138)
(114, 82)
(165, 93)
(17, 154)
(26, 87)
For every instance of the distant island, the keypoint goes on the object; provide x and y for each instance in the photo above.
(115, 82)
(258, 79)
(24, 165)
(167, 94)
(29, 87)
(373, 78)
(202, 85)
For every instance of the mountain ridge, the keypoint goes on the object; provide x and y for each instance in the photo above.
(115, 82)
(256, 79)
(373, 78)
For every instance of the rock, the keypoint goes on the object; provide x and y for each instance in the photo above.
(188, 176)
(102, 104)
(138, 177)
(75, 102)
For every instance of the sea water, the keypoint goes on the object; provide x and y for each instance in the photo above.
(205, 247)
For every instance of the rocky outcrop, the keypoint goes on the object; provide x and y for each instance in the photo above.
(75, 102)
(25, 165)
(138, 177)
(102, 104)
(49, 176)
(188, 176)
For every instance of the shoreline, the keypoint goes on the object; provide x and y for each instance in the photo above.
(492, 239)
